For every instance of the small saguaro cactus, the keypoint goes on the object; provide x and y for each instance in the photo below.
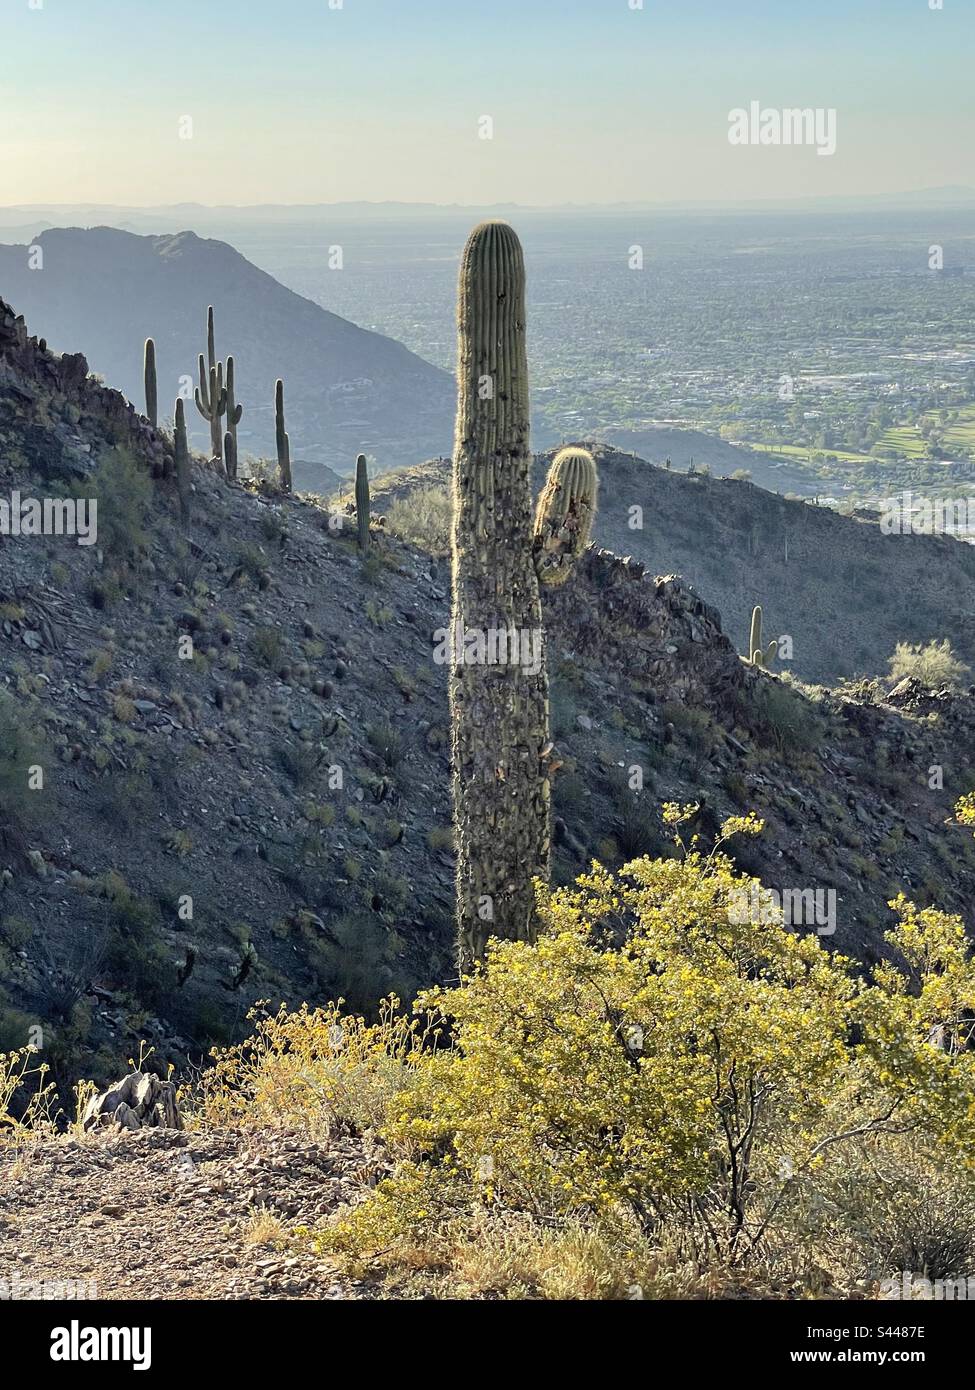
(149, 374)
(362, 500)
(182, 459)
(234, 412)
(211, 402)
(281, 437)
(757, 656)
(230, 454)
(564, 517)
(499, 706)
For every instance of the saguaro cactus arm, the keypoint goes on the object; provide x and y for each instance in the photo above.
(564, 517)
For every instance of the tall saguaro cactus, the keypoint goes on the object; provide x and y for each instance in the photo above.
(234, 412)
(281, 437)
(149, 374)
(499, 708)
(362, 501)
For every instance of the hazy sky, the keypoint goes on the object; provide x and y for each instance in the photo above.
(592, 101)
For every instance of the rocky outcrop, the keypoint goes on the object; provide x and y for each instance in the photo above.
(139, 1101)
(669, 642)
(53, 411)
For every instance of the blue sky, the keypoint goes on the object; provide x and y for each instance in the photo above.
(592, 101)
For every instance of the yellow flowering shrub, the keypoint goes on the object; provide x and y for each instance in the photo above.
(314, 1068)
(659, 1061)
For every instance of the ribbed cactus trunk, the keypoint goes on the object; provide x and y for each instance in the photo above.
(362, 501)
(149, 373)
(499, 711)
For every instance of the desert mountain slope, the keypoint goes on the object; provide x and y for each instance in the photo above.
(347, 390)
(192, 849)
(843, 591)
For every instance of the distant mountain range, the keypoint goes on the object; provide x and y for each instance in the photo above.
(197, 214)
(347, 390)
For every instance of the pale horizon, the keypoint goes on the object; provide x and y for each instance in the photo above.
(593, 104)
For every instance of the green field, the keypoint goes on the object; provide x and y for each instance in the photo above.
(908, 442)
(961, 434)
(799, 453)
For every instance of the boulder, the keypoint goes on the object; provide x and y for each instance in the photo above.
(140, 1100)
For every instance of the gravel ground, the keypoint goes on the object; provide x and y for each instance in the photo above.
(158, 1214)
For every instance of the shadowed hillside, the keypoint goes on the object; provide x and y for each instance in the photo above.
(210, 774)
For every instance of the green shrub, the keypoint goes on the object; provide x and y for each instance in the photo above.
(934, 665)
(423, 518)
(123, 490)
(21, 749)
(268, 646)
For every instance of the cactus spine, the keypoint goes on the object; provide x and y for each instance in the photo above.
(211, 396)
(362, 501)
(182, 460)
(281, 437)
(149, 374)
(499, 707)
(563, 520)
(757, 656)
(234, 412)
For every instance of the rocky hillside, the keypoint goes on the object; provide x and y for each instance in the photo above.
(843, 591)
(348, 390)
(244, 745)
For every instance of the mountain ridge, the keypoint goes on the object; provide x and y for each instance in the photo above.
(347, 389)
